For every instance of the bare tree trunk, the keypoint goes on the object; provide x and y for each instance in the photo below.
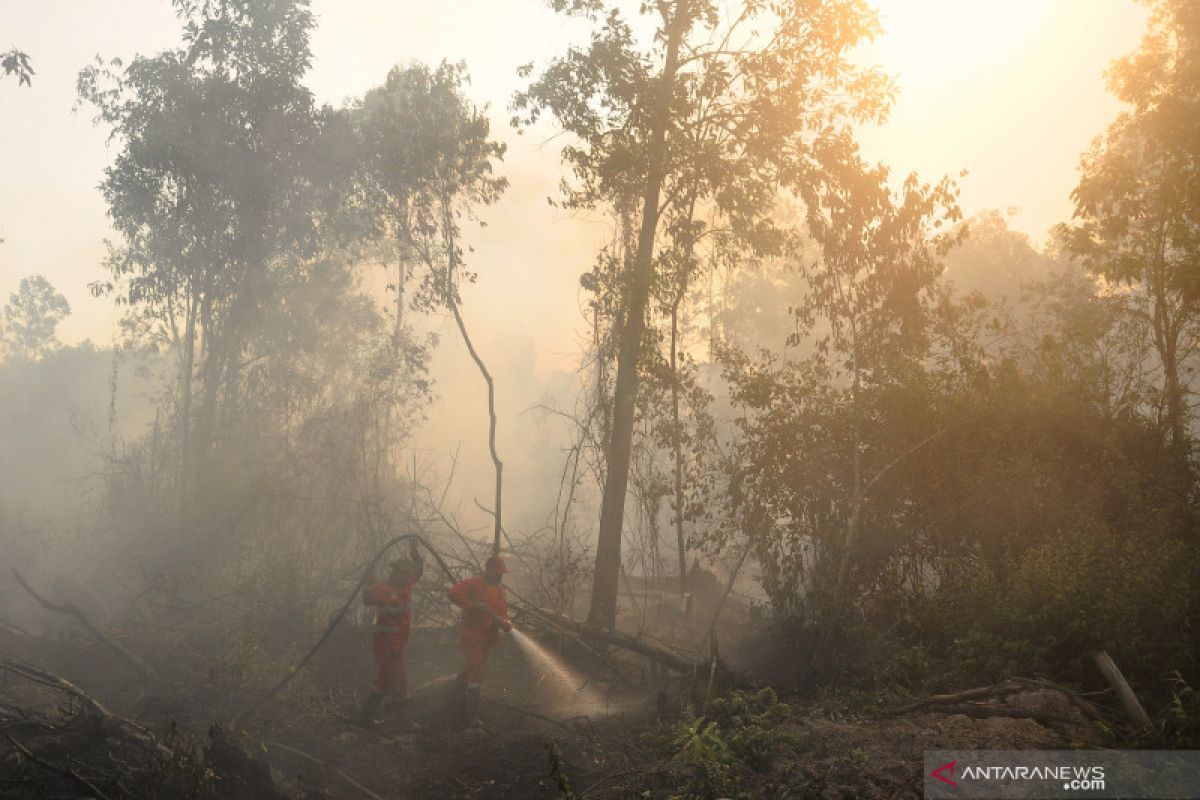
(185, 414)
(603, 611)
(679, 538)
(1176, 408)
(491, 387)
(400, 278)
(452, 260)
(1166, 321)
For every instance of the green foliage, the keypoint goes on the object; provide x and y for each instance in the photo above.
(427, 162)
(558, 773)
(238, 204)
(1180, 724)
(690, 132)
(30, 319)
(1027, 522)
(703, 757)
(748, 722)
(16, 62)
(1137, 209)
(736, 733)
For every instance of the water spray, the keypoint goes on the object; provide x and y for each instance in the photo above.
(580, 697)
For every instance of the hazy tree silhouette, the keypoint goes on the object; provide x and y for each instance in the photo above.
(31, 318)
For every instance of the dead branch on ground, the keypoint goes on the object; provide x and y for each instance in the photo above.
(76, 612)
(988, 701)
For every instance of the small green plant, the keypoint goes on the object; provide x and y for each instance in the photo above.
(704, 757)
(1180, 726)
(857, 756)
(558, 773)
(737, 732)
(749, 722)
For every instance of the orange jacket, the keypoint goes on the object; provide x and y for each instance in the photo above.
(394, 614)
(477, 623)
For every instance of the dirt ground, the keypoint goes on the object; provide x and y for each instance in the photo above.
(309, 746)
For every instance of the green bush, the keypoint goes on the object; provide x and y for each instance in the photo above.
(737, 732)
(749, 723)
(1062, 600)
(1180, 726)
(704, 759)
(1094, 589)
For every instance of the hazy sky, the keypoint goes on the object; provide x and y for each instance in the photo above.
(1010, 90)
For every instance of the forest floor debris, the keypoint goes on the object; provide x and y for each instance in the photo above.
(304, 745)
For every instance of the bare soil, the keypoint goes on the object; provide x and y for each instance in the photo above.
(307, 746)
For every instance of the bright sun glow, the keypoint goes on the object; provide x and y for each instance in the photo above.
(923, 38)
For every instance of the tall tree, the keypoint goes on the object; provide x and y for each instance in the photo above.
(31, 318)
(880, 254)
(207, 191)
(428, 164)
(1137, 205)
(718, 110)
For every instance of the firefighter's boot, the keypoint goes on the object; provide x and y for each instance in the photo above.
(367, 717)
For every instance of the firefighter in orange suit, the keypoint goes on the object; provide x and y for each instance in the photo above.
(393, 619)
(485, 613)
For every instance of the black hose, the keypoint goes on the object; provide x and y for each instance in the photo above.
(294, 671)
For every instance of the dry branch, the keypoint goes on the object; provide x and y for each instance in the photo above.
(74, 611)
(91, 705)
(323, 765)
(978, 702)
(64, 771)
(983, 692)
(615, 638)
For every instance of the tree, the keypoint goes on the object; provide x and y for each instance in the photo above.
(16, 62)
(208, 192)
(428, 163)
(715, 114)
(31, 317)
(243, 228)
(1137, 205)
(820, 433)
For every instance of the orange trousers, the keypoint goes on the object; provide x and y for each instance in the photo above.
(475, 652)
(391, 673)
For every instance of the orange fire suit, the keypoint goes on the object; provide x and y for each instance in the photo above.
(478, 630)
(393, 620)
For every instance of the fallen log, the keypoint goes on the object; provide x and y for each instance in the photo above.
(970, 701)
(615, 638)
(1007, 687)
(76, 612)
(91, 706)
(37, 675)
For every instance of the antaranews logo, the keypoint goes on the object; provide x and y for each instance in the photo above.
(1071, 777)
(1048, 774)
